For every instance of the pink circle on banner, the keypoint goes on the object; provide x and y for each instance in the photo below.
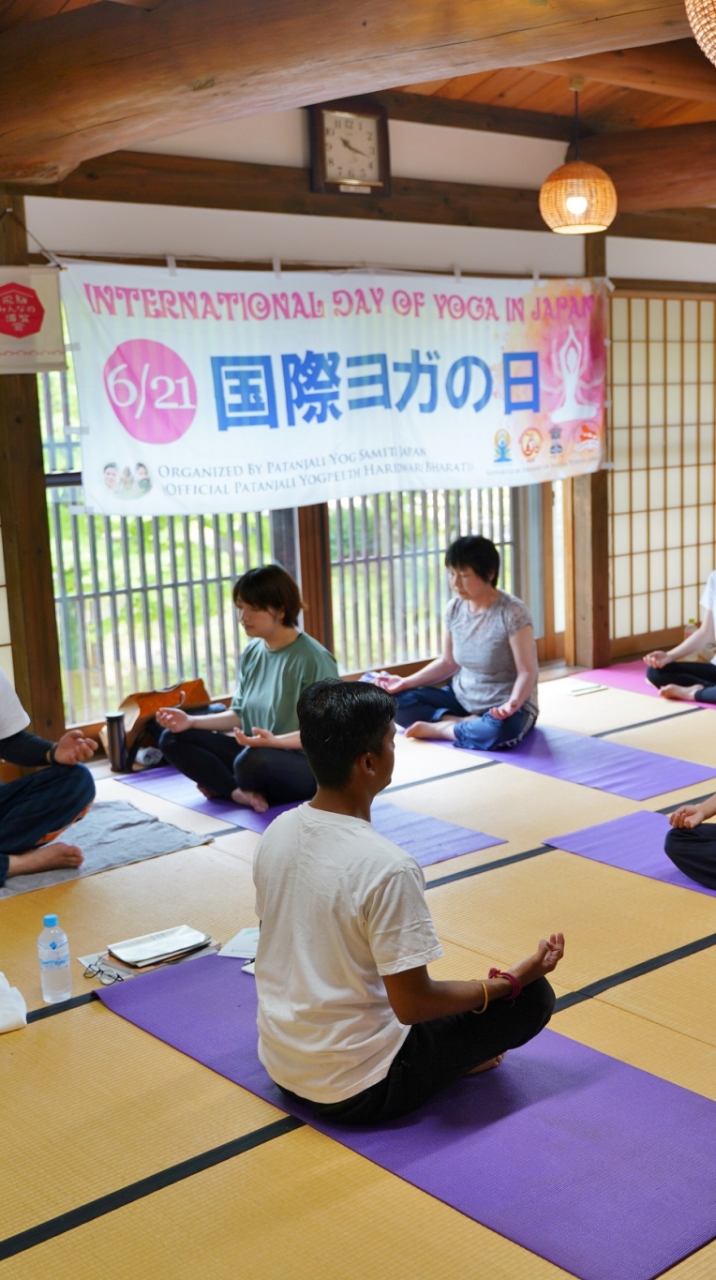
(151, 390)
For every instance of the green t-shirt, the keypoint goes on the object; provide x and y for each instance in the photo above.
(272, 680)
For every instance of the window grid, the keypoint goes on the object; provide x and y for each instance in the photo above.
(662, 375)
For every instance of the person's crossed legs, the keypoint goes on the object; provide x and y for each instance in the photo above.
(475, 733)
(685, 681)
(33, 812)
(438, 1052)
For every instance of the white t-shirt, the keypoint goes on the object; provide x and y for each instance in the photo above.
(339, 906)
(13, 716)
(708, 599)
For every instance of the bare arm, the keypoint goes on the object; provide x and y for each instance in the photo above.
(524, 652)
(416, 997)
(178, 721)
(702, 636)
(436, 672)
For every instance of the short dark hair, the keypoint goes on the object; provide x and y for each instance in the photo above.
(270, 587)
(476, 553)
(340, 721)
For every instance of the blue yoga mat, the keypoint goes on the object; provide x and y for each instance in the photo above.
(605, 1170)
(429, 840)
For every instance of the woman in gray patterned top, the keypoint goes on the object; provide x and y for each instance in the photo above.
(489, 659)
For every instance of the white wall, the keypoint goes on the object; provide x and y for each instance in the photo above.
(96, 227)
(419, 151)
(661, 260)
(416, 150)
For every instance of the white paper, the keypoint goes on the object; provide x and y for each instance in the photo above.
(243, 945)
(13, 1010)
(155, 946)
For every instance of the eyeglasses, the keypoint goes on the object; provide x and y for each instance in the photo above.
(107, 976)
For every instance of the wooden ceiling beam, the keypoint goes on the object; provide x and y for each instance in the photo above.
(670, 168)
(108, 75)
(18, 13)
(678, 70)
(142, 178)
(455, 113)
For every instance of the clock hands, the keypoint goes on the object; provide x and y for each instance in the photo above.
(350, 147)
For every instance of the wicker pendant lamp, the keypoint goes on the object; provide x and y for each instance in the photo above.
(702, 19)
(578, 198)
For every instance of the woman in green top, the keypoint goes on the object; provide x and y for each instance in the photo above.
(279, 662)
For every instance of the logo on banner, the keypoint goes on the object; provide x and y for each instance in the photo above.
(21, 312)
(531, 443)
(151, 390)
(588, 437)
(502, 446)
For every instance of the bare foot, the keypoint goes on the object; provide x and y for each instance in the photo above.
(681, 693)
(47, 858)
(432, 729)
(251, 799)
(487, 1066)
(207, 791)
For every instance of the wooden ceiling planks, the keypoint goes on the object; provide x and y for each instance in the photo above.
(603, 107)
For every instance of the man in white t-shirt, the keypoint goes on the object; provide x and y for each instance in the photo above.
(688, 681)
(36, 808)
(349, 1019)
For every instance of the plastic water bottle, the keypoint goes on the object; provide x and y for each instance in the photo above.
(53, 949)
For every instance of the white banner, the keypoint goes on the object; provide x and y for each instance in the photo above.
(30, 320)
(210, 391)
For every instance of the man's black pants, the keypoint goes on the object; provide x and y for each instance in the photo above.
(438, 1052)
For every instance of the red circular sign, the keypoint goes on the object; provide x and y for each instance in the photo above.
(21, 312)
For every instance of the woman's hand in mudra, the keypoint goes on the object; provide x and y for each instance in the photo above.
(506, 710)
(173, 719)
(257, 738)
(391, 684)
(657, 659)
(688, 815)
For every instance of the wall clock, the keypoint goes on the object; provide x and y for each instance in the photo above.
(349, 148)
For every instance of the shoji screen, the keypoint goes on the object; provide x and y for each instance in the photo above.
(662, 486)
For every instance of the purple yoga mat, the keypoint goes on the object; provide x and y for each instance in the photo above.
(634, 843)
(602, 1169)
(595, 762)
(627, 675)
(429, 840)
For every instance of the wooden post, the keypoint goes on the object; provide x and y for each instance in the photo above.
(586, 529)
(315, 560)
(23, 520)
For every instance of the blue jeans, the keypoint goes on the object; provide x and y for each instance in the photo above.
(35, 809)
(479, 733)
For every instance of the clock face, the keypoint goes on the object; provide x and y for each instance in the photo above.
(351, 148)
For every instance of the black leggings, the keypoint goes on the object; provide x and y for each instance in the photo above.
(438, 1052)
(215, 761)
(694, 852)
(684, 674)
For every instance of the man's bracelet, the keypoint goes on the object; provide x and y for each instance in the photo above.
(51, 753)
(510, 977)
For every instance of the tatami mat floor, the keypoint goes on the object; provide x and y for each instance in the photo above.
(93, 1105)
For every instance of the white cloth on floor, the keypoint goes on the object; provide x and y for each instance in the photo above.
(13, 1010)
